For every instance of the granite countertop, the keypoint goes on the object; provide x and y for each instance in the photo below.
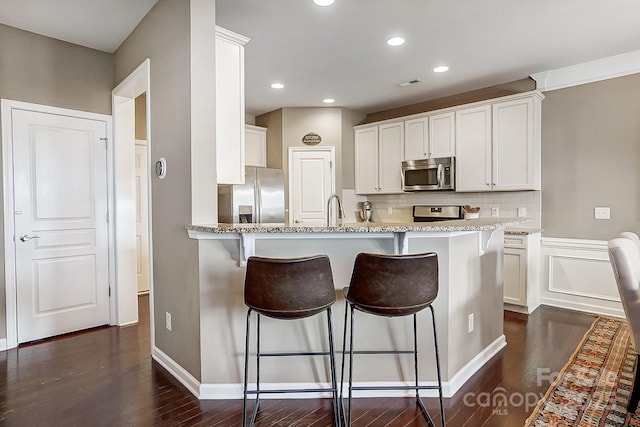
(478, 224)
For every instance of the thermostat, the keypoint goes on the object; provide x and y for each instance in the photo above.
(161, 168)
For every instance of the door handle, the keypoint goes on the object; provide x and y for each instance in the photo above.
(26, 238)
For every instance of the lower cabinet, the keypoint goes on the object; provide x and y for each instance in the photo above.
(521, 271)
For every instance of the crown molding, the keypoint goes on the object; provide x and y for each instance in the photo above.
(588, 72)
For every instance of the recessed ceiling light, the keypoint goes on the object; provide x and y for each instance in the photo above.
(395, 41)
(277, 85)
(323, 2)
(328, 100)
(440, 69)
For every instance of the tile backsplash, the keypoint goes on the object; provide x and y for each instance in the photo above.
(397, 207)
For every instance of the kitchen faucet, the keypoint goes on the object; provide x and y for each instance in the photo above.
(340, 210)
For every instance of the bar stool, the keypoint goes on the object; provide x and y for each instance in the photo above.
(288, 289)
(392, 286)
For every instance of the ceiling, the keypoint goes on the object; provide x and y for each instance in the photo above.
(340, 52)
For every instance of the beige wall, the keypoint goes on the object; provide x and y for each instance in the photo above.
(273, 122)
(42, 70)
(349, 120)
(164, 37)
(591, 157)
(141, 117)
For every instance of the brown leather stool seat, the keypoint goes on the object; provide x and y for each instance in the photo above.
(288, 289)
(392, 286)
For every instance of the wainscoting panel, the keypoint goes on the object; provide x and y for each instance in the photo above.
(577, 274)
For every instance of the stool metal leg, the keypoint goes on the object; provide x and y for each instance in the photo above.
(332, 362)
(246, 369)
(419, 402)
(344, 355)
(350, 365)
(435, 341)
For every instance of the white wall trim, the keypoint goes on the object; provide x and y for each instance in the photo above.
(473, 366)
(124, 307)
(576, 275)
(588, 72)
(3, 344)
(450, 388)
(178, 372)
(6, 107)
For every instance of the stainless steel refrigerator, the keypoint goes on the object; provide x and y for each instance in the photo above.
(259, 200)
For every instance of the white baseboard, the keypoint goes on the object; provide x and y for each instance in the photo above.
(178, 372)
(584, 307)
(474, 365)
(234, 391)
(3, 344)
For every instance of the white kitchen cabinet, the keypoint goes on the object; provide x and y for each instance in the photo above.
(521, 271)
(473, 149)
(416, 139)
(255, 146)
(498, 145)
(429, 137)
(379, 152)
(230, 136)
(516, 144)
(442, 135)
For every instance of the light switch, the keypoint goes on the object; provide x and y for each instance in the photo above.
(602, 213)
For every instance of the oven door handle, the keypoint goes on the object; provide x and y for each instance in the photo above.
(440, 175)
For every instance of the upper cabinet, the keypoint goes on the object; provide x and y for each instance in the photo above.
(516, 144)
(441, 135)
(498, 145)
(473, 148)
(379, 152)
(255, 146)
(429, 137)
(416, 139)
(230, 129)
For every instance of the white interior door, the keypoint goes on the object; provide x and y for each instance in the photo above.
(142, 217)
(311, 182)
(60, 218)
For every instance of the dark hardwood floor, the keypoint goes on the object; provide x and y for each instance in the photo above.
(105, 376)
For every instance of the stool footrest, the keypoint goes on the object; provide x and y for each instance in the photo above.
(384, 352)
(397, 387)
(293, 390)
(313, 353)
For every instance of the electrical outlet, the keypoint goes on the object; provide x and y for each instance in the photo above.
(495, 211)
(471, 325)
(389, 210)
(168, 321)
(602, 213)
(522, 212)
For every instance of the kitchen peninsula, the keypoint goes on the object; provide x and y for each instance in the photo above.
(468, 307)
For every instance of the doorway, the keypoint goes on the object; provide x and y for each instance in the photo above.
(129, 124)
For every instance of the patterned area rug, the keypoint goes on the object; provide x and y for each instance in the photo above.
(594, 387)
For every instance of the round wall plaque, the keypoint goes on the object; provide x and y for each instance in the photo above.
(311, 139)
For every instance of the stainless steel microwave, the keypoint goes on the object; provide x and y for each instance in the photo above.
(429, 174)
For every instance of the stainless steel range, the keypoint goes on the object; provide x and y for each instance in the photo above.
(424, 213)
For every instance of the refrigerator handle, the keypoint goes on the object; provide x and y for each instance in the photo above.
(258, 202)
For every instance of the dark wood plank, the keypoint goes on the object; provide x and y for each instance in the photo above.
(105, 376)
